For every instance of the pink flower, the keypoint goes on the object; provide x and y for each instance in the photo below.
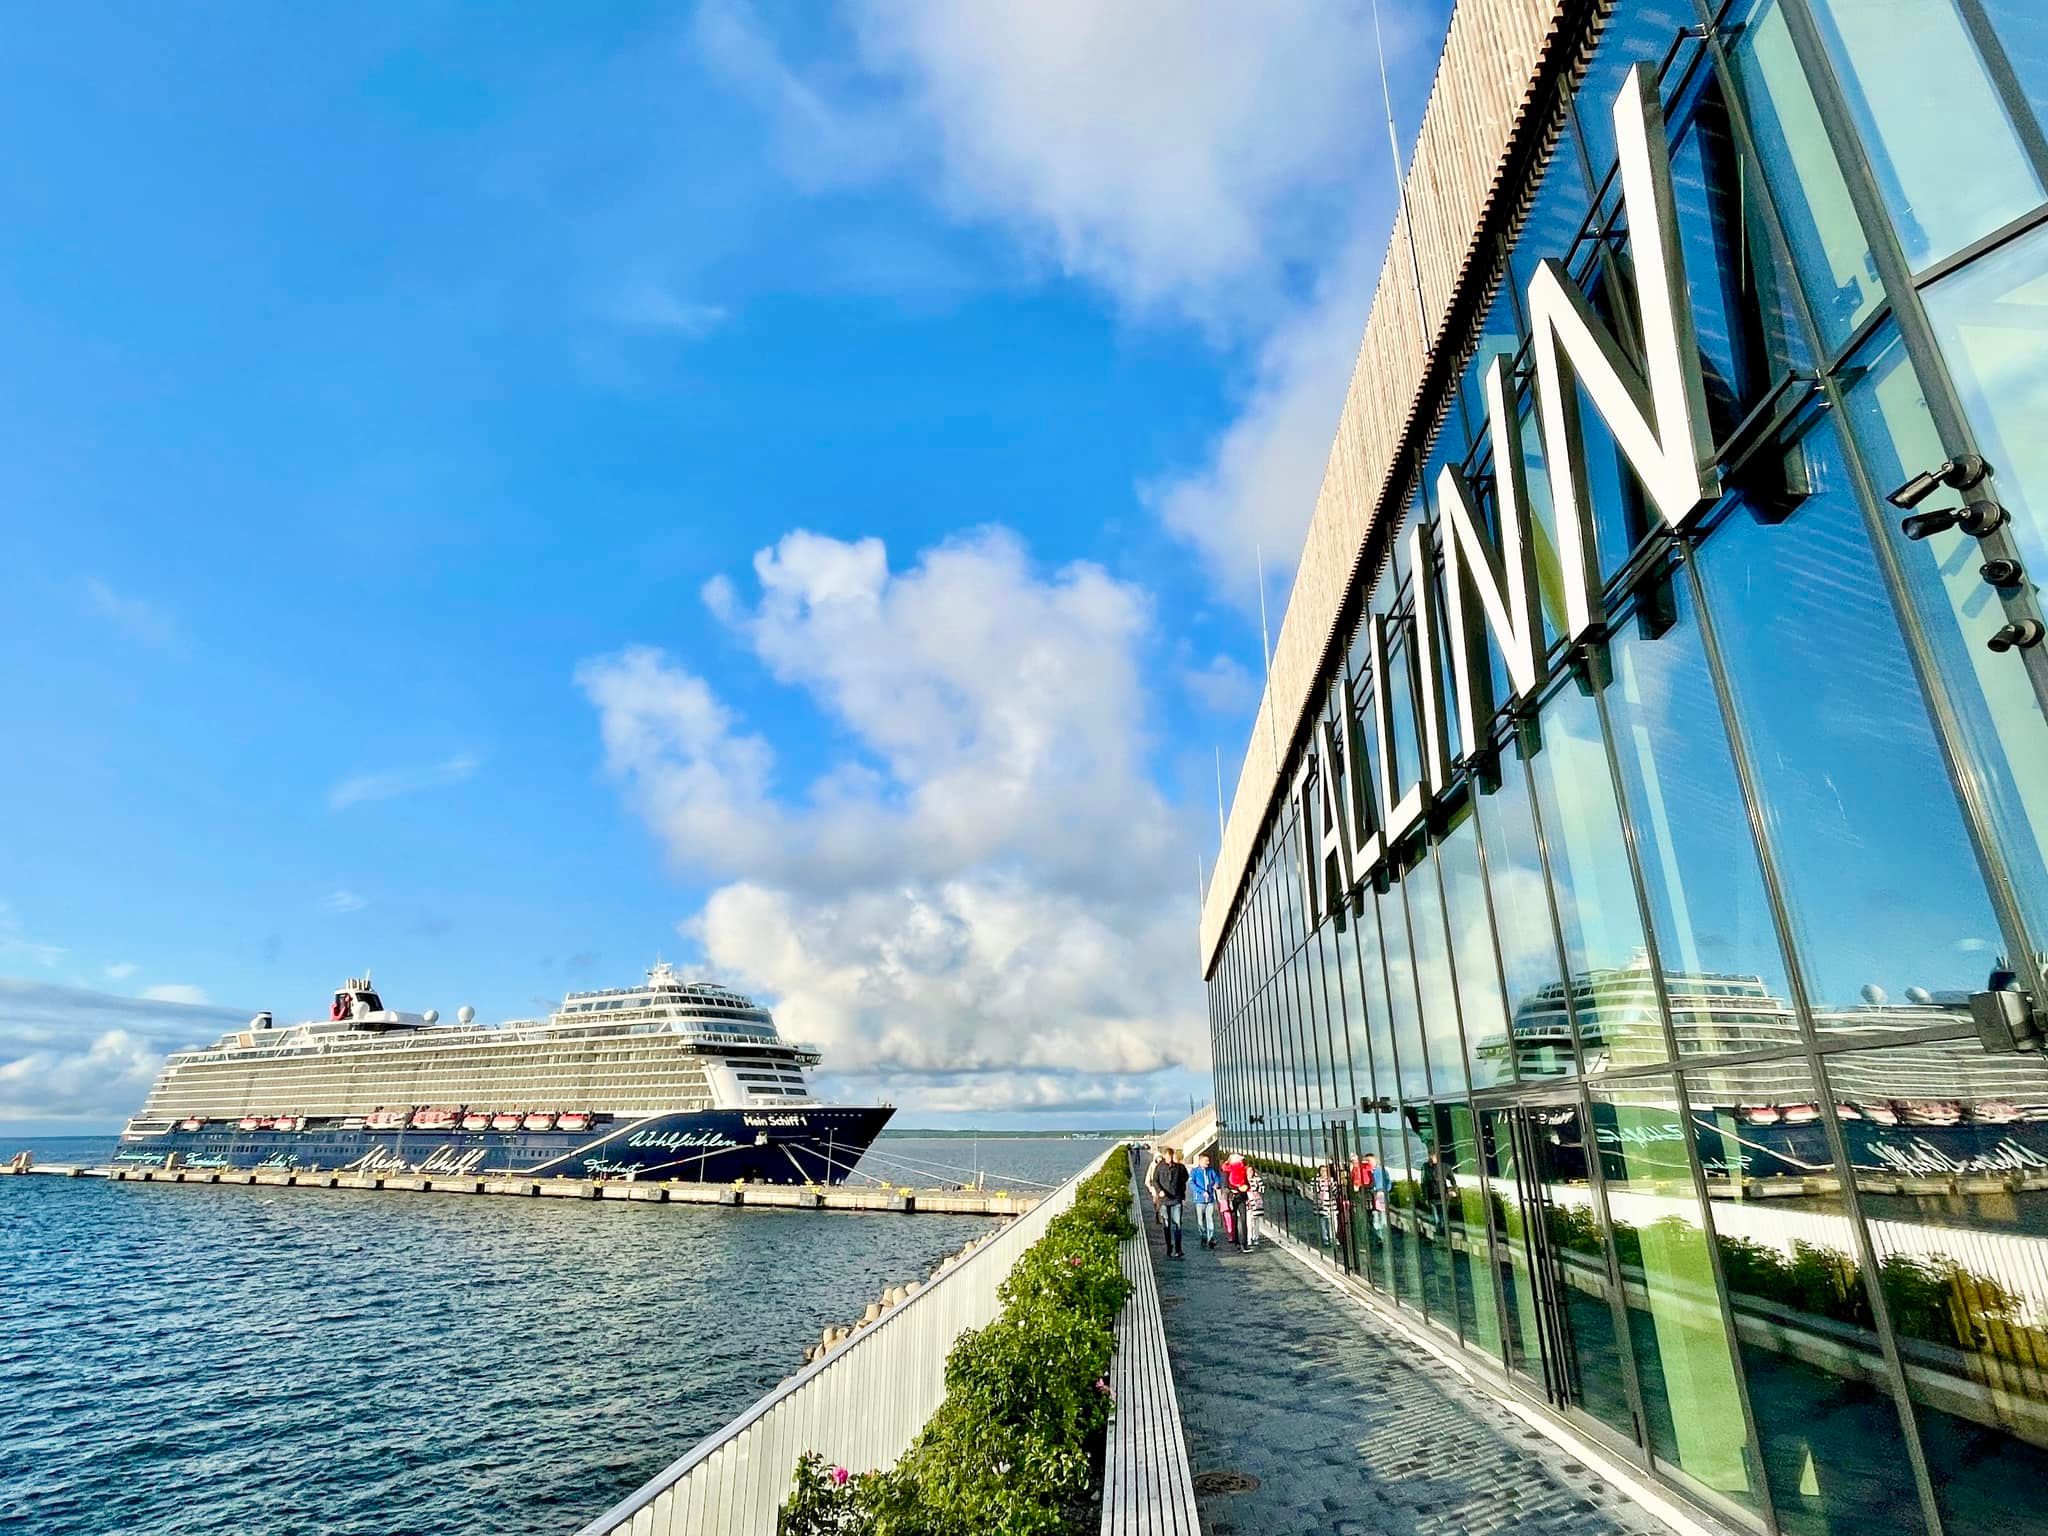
(1074, 1259)
(1104, 1388)
(839, 1477)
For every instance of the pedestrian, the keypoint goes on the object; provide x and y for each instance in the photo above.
(1326, 1202)
(1254, 1208)
(1237, 1188)
(1205, 1186)
(1432, 1197)
(1152, 1164)
(1379, 1185)
(1173, 1190)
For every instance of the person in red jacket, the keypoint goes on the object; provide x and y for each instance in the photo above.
(1237, 1189)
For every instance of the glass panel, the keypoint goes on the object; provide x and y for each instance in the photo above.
(1573, 1264)
(1555, 217)
(1382, 1117)
(2019, 30)
(1514, 1213)
(1613, 993)
(1528, 945)
(1410, 1230)
(1950, 1155)
(2002, 727)
(1498, 337)
(1642, 31)
(1992, 320)
(1433, 975)
(1832, 1445)
(1828, 248)
(1542, 526)
(1410, 1085)
(1845, 760)
(1889, 54)
(1435, 1199)
(1479, 998)
(1465, 1234)
(1748, 333)
(1414, 1071)
(1724, 972)
(1676, 1329)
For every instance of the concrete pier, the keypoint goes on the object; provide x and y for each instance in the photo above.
(802, 1197)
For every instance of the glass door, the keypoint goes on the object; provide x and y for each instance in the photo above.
(1555, 1269)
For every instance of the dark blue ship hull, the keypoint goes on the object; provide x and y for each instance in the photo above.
(808, 1144)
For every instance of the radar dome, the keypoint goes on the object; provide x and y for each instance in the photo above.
(466, 1014)
(1873, 994)
(432, 1015)
(1919, 995)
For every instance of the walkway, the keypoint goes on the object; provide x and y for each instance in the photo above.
(1349, 1432)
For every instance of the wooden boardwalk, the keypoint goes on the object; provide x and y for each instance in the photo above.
(1147, 1486)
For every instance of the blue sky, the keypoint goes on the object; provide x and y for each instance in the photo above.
(494, 495)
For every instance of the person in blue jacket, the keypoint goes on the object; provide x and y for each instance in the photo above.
(1205, 1187)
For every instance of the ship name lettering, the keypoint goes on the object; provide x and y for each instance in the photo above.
(672, 1140)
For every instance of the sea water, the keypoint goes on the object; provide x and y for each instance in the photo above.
(188, 1359)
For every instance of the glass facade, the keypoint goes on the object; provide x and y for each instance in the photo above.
(1658, 1020)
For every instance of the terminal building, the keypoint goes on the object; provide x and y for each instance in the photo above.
(1625, 956)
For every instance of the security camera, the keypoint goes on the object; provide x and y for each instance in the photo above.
(2020, 635)
(1962, 473)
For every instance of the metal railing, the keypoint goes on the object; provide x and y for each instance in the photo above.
(860, 1406)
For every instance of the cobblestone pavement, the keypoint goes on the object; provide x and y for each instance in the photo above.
(1350, 1431)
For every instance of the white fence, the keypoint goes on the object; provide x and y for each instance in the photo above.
(859, 1407)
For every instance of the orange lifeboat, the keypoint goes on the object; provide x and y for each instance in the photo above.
(388, 1119)
(250, 1123)
(435, 1120)
(574, 1120)
(505, 1120)
(476, 1121)
(539, 1120)
(191, 1123)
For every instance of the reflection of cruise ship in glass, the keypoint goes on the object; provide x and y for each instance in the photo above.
(674, 1079)
(1935, 1108)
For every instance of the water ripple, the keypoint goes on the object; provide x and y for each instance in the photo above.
(195, 1360)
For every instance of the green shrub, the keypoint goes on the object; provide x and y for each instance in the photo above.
(1010, 1448)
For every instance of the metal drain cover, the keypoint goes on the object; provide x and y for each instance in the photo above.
(1224, 1482)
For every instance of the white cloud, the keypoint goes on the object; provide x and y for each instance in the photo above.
(134, 616)
(646, 305)
(1257, 486)
(69, 1053)
(1181, 157)
(121, 970)
(391, 783)
(1174, 154)
(819, 139)
(989, 881)
(1221, 686)
(14, 941)
(176, 992)
(343, 901)
(1189, 160)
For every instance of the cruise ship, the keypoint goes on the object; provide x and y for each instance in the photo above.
(673, 1079)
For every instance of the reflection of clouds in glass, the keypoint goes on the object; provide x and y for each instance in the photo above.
(1861, 812)
(1525, 942)
(1992, 319)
